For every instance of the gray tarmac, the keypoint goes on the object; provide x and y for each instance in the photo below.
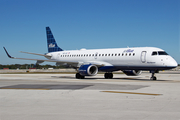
(62, 97)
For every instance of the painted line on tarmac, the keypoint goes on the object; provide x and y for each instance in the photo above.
(132, 93)
(24, 88)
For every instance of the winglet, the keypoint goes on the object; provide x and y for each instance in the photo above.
(7, 53)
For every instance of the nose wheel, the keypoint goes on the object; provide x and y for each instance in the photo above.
(153, 77)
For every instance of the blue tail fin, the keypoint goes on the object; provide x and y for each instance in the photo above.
(52, 45)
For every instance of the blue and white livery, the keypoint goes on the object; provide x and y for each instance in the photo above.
(89, 62)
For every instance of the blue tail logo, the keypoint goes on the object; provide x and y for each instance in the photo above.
(52, 45)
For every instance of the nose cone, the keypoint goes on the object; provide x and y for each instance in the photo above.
(173, 63)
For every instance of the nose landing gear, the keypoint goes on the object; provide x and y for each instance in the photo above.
(153, 77)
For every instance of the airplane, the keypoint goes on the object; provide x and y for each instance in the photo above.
(131, 61)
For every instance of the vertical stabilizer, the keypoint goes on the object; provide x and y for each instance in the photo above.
(52, 45)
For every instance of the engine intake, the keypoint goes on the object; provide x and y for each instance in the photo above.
(88, 70)
(132, 72)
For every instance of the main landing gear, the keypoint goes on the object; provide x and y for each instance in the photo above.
(79, 76)
(108, 75)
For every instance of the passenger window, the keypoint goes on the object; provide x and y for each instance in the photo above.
(154, 53)
(122, 54)
(133, 54)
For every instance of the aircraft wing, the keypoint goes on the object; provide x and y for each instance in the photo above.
(36, 54)
(39, 60)
(76, 63)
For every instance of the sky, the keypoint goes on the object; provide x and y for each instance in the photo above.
(90, 24)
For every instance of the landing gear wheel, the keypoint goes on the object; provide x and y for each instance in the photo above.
(108, 75)
(153, 77)
(82, 77)
(78, 76)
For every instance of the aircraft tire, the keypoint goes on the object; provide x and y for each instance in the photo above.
(79, 76)
(153, 78)
(108, 75)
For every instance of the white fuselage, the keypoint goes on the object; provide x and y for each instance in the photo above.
(140, 58)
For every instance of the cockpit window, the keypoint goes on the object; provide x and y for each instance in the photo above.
(162, 53)
(154, 53)
(159, 53)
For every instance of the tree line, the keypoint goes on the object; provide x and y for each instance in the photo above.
(29, 66)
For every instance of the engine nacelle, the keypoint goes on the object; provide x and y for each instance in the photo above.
(132, 72)
(88, 70)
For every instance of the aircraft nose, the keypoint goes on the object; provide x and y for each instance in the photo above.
(173, 63)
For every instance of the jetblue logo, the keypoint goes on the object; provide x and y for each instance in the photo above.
(51, 45)
(129, 50)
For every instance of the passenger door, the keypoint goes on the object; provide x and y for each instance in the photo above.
(143, 56)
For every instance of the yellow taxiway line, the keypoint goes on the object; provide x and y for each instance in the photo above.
(132, 93)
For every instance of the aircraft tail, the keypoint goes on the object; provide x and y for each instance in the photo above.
(52, 45)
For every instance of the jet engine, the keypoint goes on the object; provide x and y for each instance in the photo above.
(132, 72)
(88, 70)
